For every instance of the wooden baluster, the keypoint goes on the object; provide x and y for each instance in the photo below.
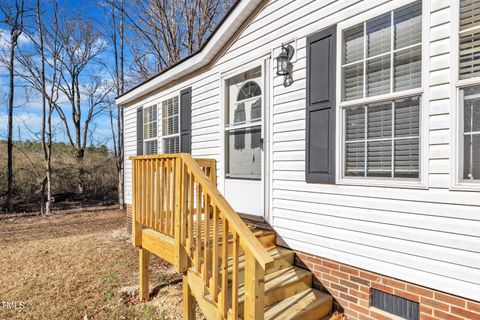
(158, 195)
(199, 229)
(235, 276)
(147, 194)
(167, 196)
(206, 251)
(224, 287)
(180, 253)
(139, 191)
(142, 192)
(215, 272)
(191, 213)
(185, 195)
(171, 196)
(172, 200)
(162, 195)
(152, 194)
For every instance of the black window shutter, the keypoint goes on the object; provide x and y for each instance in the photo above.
(186, 120)
(140, 131)
(320, 117)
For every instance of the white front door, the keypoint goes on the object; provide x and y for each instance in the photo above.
(244, 139)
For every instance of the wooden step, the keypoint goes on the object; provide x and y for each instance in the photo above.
(282, 259)
(309, 304)
(281, 285)
(267, 238)
(285, 283)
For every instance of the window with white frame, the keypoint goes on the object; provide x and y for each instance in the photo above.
(469, 89)
(381, 92)
(243, 125)
(150, 130)
(170, 125)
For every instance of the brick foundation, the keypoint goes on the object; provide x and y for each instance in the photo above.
(128, 218)
(350, 288)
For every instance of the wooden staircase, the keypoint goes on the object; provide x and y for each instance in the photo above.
(232, 269)
(288, 289)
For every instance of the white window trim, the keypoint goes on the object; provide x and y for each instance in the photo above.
(147, 106)
(456, 163)
(160, 127)
(423, 92)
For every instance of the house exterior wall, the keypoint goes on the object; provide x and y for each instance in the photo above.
(351, 286)
(427, 235)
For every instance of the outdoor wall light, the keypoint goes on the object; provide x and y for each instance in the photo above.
(284, 66)
(283, 60)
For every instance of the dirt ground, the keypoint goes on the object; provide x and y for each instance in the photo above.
(79, 266)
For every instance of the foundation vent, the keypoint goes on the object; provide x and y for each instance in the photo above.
(394, 305)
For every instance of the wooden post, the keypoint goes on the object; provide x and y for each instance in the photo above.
(254, 288)
(188, 301)
(180, 253)
(136, 205)
(213, 172)
(144, 290)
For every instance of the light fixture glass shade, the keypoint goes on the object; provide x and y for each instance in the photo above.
(282, 63)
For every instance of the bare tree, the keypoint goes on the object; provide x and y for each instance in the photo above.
(46, 150)
(82, 45)
(43, 77)
(13, 15)
(165, 31)
(116, 31)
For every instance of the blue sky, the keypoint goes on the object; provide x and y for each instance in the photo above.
(28, 104)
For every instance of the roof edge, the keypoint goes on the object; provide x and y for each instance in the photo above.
(223, 32)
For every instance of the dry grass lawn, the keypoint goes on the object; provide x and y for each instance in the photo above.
(79, 266)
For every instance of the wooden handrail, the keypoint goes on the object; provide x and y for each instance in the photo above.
(247, 238)
(176, 195)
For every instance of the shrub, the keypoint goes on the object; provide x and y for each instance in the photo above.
(92, 178)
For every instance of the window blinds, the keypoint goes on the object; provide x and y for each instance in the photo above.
(469, 51)
(379, 126)
(171, 145)
(151, 147)
(170, 125)
(150, 122)
(469, 14)
(387, 69)
(378, 35)
(382, 140)
(170, 116)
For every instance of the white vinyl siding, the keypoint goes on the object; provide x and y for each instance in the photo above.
(426, 236)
